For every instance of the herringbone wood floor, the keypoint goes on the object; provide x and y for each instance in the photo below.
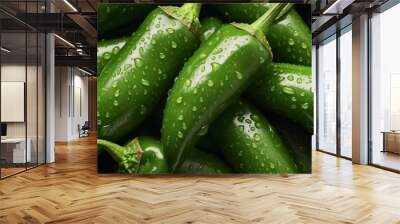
(70, 191)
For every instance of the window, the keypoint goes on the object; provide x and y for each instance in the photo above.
(327, 95)
(346, 92)
(314, 80)
(385, 89)
(22, 77)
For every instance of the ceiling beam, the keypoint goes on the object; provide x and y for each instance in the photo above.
(79, 61)
(86, 27)
(80, 20)
(46, 22)
(337, 7)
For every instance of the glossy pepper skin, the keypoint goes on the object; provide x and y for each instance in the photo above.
(114, 16)
(209, 26)
(217, 73)
(289, 36)
(296, 138)
(200, 162)
(106, 49)
(135, 80)
(142, 155)
(286, 90)
(249, 142)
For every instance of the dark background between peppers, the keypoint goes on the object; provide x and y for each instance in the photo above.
(107, 165)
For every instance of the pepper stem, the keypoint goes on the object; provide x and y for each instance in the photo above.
(191, 10)
(284, 11)
(263, 23)
(188, 14)
(115, 151)
(128, 158)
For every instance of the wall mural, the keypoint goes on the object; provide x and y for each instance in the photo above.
(204, 89)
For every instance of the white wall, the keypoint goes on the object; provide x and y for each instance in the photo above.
(80, 84)
(33, 127)
(62, 81)
(9, 73)
(70, 83)
(16, 73)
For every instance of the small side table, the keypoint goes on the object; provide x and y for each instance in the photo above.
(391, 141)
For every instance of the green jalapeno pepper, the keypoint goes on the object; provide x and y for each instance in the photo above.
(135, 80)
(144, 155)
(107, 49)
(114, 16)
(296, 138)
(286, 90)
(217, 73)
(250, 143)
(200, 162)
(289, 36)
(209, 26)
